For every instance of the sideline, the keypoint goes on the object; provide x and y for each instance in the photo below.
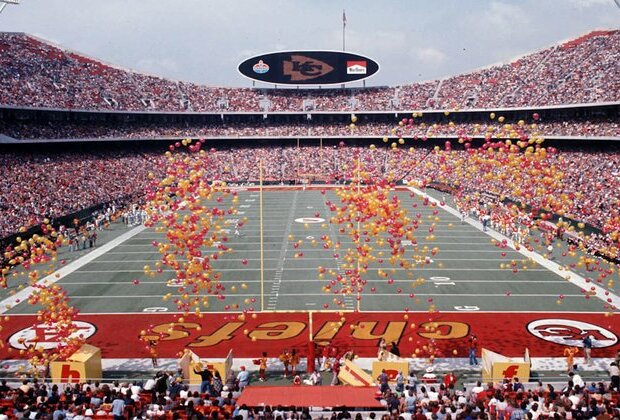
(461, 364)
(601, 293)
(22, 295)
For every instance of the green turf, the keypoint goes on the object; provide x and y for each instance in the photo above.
(466, 271)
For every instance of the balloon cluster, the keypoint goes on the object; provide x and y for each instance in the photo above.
(40, 248)
(521, 182)
(382, 236)
(525, 180)
(36, 258)
(55, 313)
(191, 210)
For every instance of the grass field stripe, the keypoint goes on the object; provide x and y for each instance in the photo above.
(341, 271)
(279, 271)
(443, 251)
(73, 266)
(600, 293)
(323, 280)
(399, 312)
(326, 295)
(435, 258)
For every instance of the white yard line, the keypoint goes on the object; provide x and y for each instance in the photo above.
(436, 259)
(327, 268)
(237, 281)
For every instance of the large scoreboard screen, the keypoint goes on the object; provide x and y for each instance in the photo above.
(308, 67)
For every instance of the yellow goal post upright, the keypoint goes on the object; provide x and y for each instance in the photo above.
(311, 338)
(310, 313)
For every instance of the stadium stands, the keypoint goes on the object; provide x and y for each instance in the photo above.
(52, 185)
(36, 73)
(169, 398)
(59, 130)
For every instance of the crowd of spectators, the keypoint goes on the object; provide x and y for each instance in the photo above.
(39, 186)
(420, 130)
(167, 396)
(589, 191)
(36, 73)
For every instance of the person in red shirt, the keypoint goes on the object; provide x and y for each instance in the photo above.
(473, 349)
(285, 358)
(449, 379)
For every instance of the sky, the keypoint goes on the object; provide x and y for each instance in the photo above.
(203, 41)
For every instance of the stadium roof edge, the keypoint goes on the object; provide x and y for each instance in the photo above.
(511, 60)
(68, 50)
(351, 112)
(520, 56)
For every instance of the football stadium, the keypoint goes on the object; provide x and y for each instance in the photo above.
(311, 243)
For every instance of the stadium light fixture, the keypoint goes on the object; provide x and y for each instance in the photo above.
(3, 3)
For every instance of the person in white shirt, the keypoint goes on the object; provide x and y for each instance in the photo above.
(433, 395)
(577, 380)
(244, 412)
(477, 389)
(135, 389)
(574, 399)
(149, 385)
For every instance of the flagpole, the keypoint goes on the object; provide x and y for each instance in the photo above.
(344, 25)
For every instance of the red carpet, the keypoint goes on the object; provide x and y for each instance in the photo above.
(310, 396)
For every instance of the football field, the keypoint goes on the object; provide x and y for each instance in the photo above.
(475, 282)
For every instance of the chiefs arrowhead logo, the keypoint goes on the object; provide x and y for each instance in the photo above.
(568, 332)
(304, 68)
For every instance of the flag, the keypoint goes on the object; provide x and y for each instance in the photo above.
(344, 18)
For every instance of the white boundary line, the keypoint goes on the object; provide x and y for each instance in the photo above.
(579, 281)
(73, 266)
(401, 313)
(460, 364)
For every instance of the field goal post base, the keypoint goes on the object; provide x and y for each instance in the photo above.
(311, 344)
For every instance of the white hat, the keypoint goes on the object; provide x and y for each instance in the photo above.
(225, 388)
(89, 412)
(430, 369)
